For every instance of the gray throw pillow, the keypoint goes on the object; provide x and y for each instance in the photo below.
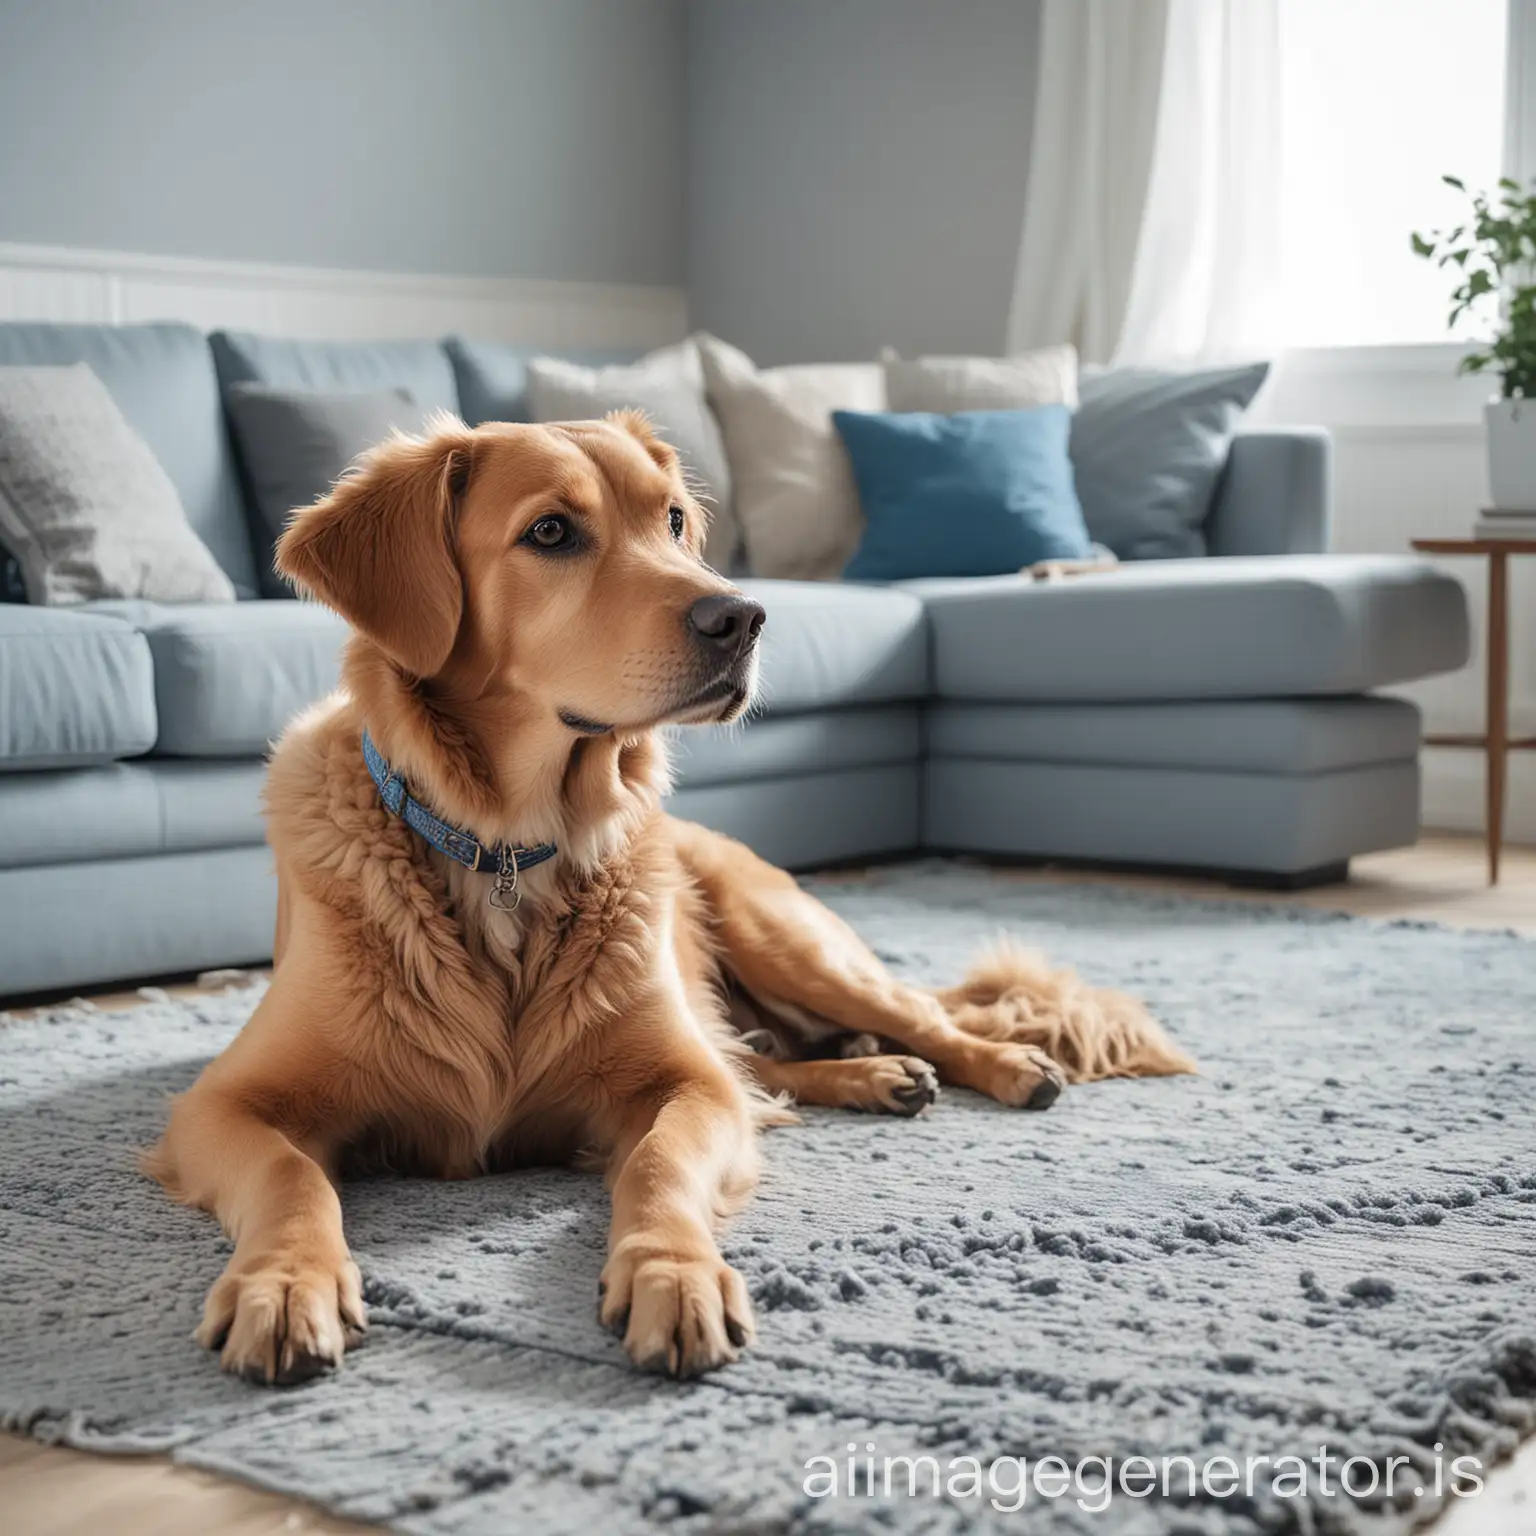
(85, 506)
(295, 445)
(668, 385)
(1147, 450)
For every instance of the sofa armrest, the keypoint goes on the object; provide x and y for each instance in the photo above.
(1275, 495)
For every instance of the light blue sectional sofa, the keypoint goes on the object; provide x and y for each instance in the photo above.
(1218, 713)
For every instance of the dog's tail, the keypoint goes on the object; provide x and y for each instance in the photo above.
(1091, 1032)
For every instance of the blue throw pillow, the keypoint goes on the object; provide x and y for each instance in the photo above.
(979, 493)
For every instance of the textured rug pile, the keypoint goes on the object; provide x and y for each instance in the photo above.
(1324, 1244)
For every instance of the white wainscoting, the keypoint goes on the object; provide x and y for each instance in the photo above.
(63, 283)
(1409, 463)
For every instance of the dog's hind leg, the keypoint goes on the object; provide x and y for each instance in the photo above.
(784, 947)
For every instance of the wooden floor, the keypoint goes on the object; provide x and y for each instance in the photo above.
(46, 1491)
(1442, 880)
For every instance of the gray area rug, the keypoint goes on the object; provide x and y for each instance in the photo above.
(1328, 1240)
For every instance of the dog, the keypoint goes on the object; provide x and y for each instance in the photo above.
(493, 946)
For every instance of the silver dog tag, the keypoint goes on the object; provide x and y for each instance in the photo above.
(504, 894)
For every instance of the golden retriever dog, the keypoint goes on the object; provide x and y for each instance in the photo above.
(528, 606)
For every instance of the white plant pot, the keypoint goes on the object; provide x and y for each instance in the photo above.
(1512, 454)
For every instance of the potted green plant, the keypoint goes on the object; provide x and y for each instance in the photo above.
(1492, 255)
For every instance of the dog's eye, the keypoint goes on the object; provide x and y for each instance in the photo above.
(553, 535)
(678, 522)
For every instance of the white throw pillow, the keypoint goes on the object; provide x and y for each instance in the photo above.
(796, 500)
(85, 506)
(945, 385)
(668, 385)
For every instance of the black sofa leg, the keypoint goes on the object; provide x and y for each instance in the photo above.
(1290, 880)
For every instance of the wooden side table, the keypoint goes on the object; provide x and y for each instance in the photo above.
(1495, 740)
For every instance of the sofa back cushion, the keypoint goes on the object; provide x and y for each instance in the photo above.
(493, 375)
(420, 368)
(162, 380)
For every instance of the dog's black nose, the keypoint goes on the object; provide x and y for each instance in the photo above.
(728, 621)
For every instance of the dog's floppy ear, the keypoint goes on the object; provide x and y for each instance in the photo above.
(380, 548)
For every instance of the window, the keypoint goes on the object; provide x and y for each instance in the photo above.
(1379, 98)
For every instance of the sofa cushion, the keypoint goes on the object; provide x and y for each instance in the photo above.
(76, 688)
(162, 379)
(421, 368)
(796, 744)
(228, 679)
(810, 820)
(1197, 629)
(126, 810)
(827, 645)
(1281, 823)
(492, 376)
(1246, 735)
(163, 915)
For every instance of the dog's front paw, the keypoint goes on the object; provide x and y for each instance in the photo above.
(282, 1318)
(1023, 1076)
(682, 1314)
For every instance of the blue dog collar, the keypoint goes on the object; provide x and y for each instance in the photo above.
(505, 861)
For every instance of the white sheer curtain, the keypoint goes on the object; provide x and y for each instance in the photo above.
(1151, 225)
(1205, 278)
(1096, 103)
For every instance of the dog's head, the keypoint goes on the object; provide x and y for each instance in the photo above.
(562, 562)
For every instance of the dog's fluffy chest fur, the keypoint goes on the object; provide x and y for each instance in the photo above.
(477, 1004)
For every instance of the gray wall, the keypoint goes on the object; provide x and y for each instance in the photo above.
(856, 172)
(535, 138)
